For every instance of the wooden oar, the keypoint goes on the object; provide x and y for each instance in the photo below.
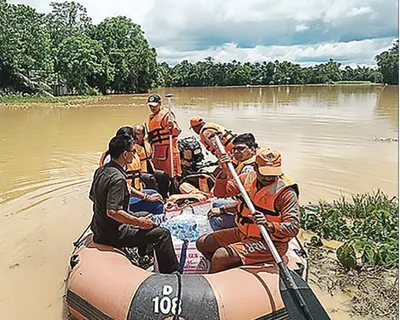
(300, 301)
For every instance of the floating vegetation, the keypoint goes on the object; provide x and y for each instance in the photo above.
(24, 98)
(381, 139)
(368, 226)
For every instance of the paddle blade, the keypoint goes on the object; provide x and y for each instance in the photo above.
(300, 302)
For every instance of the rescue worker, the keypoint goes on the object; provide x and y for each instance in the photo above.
(222, 215)
(160, 127)
(275, 197)
(111, 223)
(204, 130)
(152, 178)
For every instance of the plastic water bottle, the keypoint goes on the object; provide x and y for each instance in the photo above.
(193, 232)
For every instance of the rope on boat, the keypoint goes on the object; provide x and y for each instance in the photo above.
(178, 275)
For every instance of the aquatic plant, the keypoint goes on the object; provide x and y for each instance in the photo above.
(22, 98)
(368, 226)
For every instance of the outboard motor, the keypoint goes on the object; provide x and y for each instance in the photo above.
(193, 164)
(191, 155)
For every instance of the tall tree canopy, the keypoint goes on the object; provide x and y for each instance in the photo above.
(65, 48)
(25, 50)
(132, 63)
(388, 64)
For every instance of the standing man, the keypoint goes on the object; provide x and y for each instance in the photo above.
(152, 178)
(160, 127)
(205, 130)
(275, 197)
(111, 223)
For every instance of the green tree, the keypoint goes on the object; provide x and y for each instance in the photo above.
(25, 52)
(67, 19)
(133, 61)
(81, 58)
(388, 64)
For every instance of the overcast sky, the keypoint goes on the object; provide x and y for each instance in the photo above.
(301, 31)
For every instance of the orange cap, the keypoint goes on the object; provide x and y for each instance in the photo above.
(269, 162)
(195, 121)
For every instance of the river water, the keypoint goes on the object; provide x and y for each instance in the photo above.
(334, 140)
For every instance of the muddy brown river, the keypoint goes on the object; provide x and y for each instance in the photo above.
(334, 140)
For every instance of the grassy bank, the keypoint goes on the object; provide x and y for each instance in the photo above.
(367, 225)
(18, 99)
(356, 83)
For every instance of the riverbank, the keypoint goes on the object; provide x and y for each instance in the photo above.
(26, 99)
(353, 253)
(371, 293)
(18, 100)
(367, 224)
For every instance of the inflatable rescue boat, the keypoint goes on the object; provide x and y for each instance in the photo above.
(103, 284)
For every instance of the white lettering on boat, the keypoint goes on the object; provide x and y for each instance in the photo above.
(165, 304)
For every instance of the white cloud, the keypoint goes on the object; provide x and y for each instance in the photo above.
(270, 28)
(359, 11)
(362, 52)
(301, 27)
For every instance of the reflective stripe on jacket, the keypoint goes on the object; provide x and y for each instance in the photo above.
(264, 201)
(133, 170)
(145, 154)
(158, 132)
(226, 137)
(242, 164)
(277, 201)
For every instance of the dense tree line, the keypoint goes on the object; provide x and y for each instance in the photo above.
(235, 73)
(64, 48)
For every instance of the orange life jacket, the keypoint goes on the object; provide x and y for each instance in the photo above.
(240, 165)
(187, 188)
(226, 137)
(179, 199)
(133, 170)
(157, 133)
(145, 154)
(103, 157)
(264, 201)
(203, 183)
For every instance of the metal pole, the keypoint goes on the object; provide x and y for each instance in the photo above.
(249, 204)
(169, 96)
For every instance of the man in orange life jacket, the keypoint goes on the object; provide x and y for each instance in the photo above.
(152, 178)
(160, 127)
(205, 130)
(222, 215)
(275, 197)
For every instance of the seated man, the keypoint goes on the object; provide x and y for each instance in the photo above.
(111, 223)
(275, 197)
(152, 178)
(142, 199)
(222, 215)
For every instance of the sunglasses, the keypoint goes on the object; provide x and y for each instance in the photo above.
(240, 148)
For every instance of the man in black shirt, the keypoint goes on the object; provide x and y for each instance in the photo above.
(111, 223)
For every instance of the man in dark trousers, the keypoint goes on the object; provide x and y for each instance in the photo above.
(111, 223)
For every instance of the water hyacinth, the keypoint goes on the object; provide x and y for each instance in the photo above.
(368, 226)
